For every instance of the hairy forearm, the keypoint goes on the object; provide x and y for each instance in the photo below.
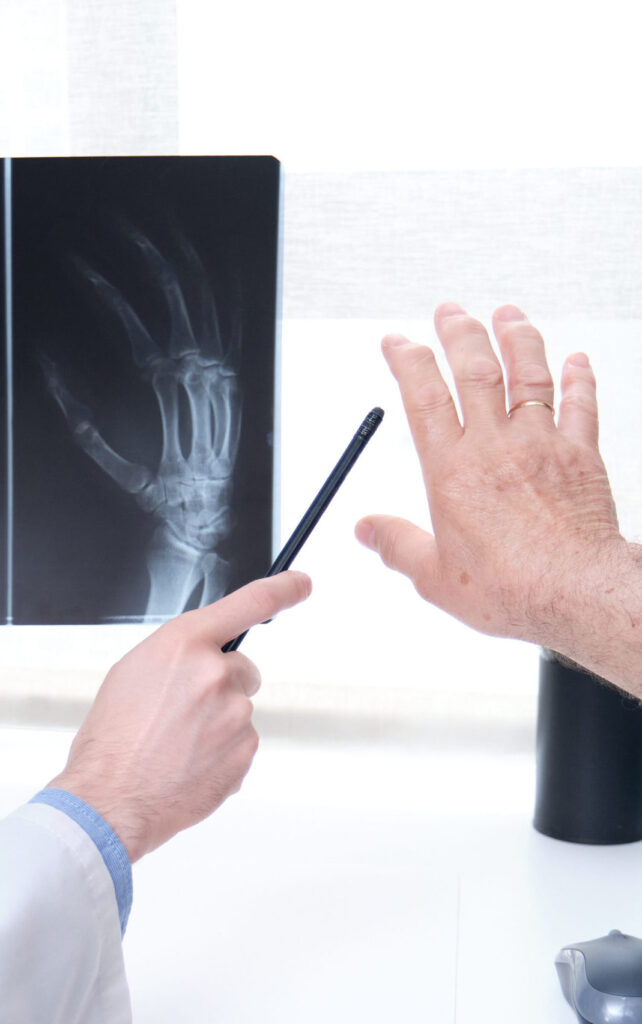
(598, 620)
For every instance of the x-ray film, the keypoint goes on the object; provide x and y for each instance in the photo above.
(139, 307)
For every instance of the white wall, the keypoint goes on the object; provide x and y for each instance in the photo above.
(355, 85)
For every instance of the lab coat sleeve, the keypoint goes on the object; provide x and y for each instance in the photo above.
(61, 959)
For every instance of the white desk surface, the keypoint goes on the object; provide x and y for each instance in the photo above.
(359, 883)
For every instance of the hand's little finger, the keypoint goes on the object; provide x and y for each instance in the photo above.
(578, 417)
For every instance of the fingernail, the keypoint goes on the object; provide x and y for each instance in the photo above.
(579, 359)
(305, 579)
(364, 532)
(509, 314)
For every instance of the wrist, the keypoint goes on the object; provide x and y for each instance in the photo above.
(114, 810)
(597, 620)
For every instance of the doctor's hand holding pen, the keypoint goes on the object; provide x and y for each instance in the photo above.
(170, 735)
(526, 541)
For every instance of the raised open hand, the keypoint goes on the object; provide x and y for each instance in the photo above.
(525, 539)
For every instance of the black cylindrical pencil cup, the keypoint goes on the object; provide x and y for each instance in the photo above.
(589, 758)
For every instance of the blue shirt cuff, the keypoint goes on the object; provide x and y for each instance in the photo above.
(109, 845)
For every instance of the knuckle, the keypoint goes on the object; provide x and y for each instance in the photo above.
(181, 634)
(428, 398)
(388, 546)
(532, 375)
(240, 711)
(251, 680)
(421, 357)
(577, 401)
(422, 585)
(521, 331)
(212, 679)
(571, 463)
(522, 463)
(234, 719)
(481, 372)
(173, 631)
(456, 327)
(246, 673)
(252, 744)
(216, 675)
(264, 604)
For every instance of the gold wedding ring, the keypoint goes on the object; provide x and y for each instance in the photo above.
(530, 401)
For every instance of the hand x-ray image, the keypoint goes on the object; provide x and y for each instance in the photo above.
(140, 348)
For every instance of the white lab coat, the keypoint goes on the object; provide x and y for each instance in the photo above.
(61, 959)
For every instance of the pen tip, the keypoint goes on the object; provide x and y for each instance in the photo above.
(371, 422)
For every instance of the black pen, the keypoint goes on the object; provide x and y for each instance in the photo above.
(287, 555)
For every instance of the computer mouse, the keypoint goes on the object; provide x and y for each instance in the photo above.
(602, 979)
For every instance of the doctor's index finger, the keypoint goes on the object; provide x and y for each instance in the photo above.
(254, 603)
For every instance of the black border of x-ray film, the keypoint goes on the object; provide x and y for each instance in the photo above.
(5, 411)
(73, 541)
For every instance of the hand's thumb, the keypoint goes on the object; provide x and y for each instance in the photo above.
(401, 545)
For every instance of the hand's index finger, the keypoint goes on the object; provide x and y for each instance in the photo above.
(254, 603)
(427, 400)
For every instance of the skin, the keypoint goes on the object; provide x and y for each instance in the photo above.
(526, 541)
(169, 736)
